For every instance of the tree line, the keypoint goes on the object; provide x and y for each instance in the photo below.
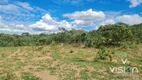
(107, 35)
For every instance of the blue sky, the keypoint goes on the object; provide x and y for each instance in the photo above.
(38, 16)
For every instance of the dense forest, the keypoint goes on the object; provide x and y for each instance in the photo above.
(107, 35)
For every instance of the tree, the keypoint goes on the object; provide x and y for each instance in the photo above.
(25, 34)
(115, 34)
(137, 32)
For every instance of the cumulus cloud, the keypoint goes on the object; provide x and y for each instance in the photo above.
(88, 19)
(108, 21)
(135, 3)
(130, 19)
(85, 18)
(13, 28)
(81, 23)
(88, 15)
(50, 25)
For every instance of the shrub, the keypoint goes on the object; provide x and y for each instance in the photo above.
(71, 51)
(88, 43)
(9, 76)
(103, 54)
(53, 44)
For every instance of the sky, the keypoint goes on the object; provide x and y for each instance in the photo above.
(47, 16)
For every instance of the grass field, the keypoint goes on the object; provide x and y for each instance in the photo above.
(65, 62)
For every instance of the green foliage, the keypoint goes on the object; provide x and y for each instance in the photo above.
(88, 42)
(9, 76)
(115, 34)
(25, 34)
(38, 48)
(108, 35)
(28, 76)
(53, 44)
(6, 40)
(103, 54)
(71, 51)
(42, 40)
(84, 75)
(137, 33)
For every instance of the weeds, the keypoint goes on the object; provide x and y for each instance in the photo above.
(10, 76)
(53, 44)
(29, 76)
(71, 51)
(104, 54)
(72, 67)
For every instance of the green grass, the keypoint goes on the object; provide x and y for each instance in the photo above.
(65, 62)
(29, 76)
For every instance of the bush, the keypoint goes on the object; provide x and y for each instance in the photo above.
(103, 54)
(71, 51)
(88, 43)
(53, 44)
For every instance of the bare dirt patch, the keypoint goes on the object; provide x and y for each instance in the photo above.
(45, 75)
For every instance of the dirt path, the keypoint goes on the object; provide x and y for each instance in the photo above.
(16, 52)
(45, 75)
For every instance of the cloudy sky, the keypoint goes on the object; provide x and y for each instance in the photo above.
(38, 16)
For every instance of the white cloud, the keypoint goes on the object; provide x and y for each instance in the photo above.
(20, 27)
(130, 19)
(17, 17)
(86, 18)
(81, 22)
(50, 25)
(88, 15)
(109, 21)
(20, 11)
(13, 9)
(42, 26)
(9, 8)
(135, 3)
(25, 5)
(0, 18)
(92, 19)
(12, 28)
(3, 25)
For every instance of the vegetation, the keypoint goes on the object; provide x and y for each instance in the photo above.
(104, 54)
(67, 63)
(72, 55)
(108, 35)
